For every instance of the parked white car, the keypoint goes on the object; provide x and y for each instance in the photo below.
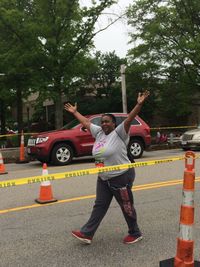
(191, 139)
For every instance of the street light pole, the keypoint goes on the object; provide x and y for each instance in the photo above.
(123, 83)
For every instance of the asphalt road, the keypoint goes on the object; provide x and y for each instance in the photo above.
(35, 235)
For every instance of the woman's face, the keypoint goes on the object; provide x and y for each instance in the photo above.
(107, 124)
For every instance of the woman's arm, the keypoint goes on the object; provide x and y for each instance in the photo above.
(140, 100)
(73, 109)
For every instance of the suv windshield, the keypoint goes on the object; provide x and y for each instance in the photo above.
(70, 125)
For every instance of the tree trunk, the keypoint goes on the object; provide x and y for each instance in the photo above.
(19, 111)
(58, 112)
(3, 117)
(58, 105)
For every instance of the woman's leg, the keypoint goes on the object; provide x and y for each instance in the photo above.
(121, 188)
(103, 199)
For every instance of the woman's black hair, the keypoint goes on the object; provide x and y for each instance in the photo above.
(111, 116)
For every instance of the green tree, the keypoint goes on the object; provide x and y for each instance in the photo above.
(167, 34)
(140, 77)
(100, 84)
(15, 59)
(56, 36)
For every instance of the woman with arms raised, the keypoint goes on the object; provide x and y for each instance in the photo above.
(110, 148)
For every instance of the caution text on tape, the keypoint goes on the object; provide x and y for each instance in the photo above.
(70, 174)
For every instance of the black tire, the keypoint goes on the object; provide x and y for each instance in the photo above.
(135, 149)
(62, 154)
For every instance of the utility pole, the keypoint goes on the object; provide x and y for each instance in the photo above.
(123, 82)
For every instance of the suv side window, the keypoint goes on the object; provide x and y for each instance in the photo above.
(135, 122)
(121, 119)
(96, 121)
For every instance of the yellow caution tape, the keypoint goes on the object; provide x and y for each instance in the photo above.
(154, 128)
(16, 134)
(8, 135)
(173, 127)
(70, 174)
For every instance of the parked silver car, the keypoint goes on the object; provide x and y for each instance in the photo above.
(191, 139)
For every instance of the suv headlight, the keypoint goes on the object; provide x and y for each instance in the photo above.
(40, 140)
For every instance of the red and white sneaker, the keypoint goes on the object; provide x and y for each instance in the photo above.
(82, 237)
(129, 239)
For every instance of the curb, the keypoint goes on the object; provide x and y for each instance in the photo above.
(164, 146)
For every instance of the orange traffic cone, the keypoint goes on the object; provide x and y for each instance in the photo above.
(2, 166)
(22, 151)
(185, 244)
(46, 195)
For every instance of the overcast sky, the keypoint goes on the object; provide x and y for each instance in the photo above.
(115, 38)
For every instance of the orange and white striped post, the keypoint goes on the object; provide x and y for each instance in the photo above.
(185, 243)
(22, 158)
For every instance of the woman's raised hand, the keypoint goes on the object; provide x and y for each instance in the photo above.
(142, 97)
(70, 108)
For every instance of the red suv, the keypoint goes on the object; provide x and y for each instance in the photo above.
(73, 140)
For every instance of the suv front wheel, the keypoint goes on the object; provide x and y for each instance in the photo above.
(62, 154)
(135, 149)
